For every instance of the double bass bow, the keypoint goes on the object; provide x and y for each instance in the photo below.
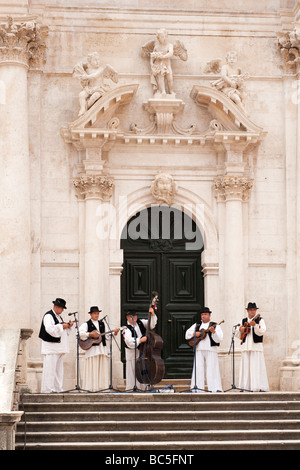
(150, 367)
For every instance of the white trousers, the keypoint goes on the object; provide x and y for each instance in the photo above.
(253, 374)
(53, 373)
(130, 376)
(206, 360)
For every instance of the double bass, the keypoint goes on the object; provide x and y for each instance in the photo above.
(150, 367)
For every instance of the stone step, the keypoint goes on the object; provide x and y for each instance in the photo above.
(159, 406)
(159, 435)
(168, 445)
(158, 397)
(161, 415)
(160, 421)
(210, 424)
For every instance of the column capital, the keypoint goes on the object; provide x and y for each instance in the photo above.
(22, 42)
(94, 187)
(232, 187)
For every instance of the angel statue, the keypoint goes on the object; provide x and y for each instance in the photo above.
(231, 80)
(161, 52)
(95, 80)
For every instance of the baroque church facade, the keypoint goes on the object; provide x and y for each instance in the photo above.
(150, 147)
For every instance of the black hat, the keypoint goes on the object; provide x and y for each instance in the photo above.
(131, 312)
(94, 309)
(251, 305)
(205, 310)
(59, 302)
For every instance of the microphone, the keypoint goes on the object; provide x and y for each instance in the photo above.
(72, 313)
(103, 317)
(235, 326)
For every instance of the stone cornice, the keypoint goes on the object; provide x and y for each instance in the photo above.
(22, 42)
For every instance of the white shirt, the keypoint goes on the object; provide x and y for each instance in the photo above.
(259, 329)
(127, 335)
(204, 344)
(58, 332)
(99, 349)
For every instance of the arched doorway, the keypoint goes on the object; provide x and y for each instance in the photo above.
(162, 249)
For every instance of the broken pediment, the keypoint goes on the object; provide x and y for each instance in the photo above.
(230, 118)
(101, 119)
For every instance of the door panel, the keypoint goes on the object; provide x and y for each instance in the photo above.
(176, 273)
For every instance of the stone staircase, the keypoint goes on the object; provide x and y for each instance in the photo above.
(160, 421)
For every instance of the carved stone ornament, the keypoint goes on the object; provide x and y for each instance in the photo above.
(22, 42)
(289, 46)
(232, 79)
(233, 187)
(163, 189)
(160, 53)
(94, 187)
(95, 79)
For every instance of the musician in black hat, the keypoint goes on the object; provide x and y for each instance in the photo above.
(205, 353)
(253, 374)
(54, 334)
(97, 362)
(135, 334)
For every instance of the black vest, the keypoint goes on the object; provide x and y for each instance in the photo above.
(256, 338)
(91, 327)
(43, 333)
(212, 342)
(133, 332)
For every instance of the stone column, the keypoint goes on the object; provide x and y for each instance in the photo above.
(233, 191)
(96, 191)
(290, 50)
(21, 45)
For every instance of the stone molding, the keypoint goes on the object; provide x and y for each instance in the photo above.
(22, 42)
(232, 188)
(94, 187)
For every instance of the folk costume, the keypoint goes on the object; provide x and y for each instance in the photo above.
(97, 359)
(206, 354)
(253, 374)
(132, 335)
(55, 344)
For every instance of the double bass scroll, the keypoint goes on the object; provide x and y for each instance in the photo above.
(150, 367)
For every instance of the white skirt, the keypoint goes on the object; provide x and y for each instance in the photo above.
(253, 374)
(96, 371)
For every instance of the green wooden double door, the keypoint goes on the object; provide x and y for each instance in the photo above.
(160, 256)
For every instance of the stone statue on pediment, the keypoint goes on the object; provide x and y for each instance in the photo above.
(95, 79)
(232, 79)
(160, 53)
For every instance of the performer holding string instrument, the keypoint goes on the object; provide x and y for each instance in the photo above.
(94, 336)
(253, 375)
(205, 338)
(150, 367)
(144, 367)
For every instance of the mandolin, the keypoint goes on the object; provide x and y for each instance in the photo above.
(193, 342)
(88, 343)
(247, 327)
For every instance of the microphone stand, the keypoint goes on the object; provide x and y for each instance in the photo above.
(233, 387)
(110, 387)
(77, 386)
